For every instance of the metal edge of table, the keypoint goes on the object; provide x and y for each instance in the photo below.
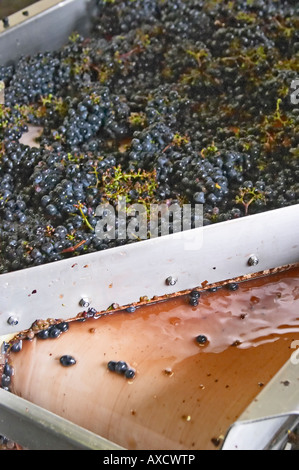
(46, 28)
(35, 428)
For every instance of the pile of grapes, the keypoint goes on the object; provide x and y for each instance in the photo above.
(185, 101)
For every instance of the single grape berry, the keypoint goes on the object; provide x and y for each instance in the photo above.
(195, 294)
(130, 374)
(213, 289)
(67, 360)
(43, 334)
(63, 326)
(131, 309)
(17, 346)
(5, 381)
(7, 370)
(201, 339)
(121, 367)
(111, 365)
(233, 286)
(54, 332)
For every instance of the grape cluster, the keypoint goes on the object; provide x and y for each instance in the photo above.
(33, 77)
(195, 94)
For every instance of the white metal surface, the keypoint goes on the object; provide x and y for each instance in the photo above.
(122, 275)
